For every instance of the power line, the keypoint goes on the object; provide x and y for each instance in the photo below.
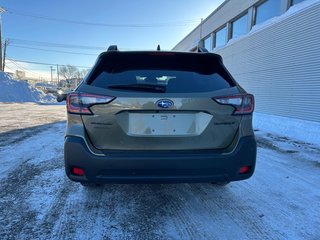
(9, 68)
(60, 45)
(48, 64)
(18, 42)
(56, 51)
(50, 44)
(24, 69)
(49, 18)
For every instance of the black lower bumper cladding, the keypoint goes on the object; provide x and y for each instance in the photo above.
(159, 166)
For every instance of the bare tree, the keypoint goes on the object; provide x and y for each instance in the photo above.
(71, 74)
(80, 74)
(68, 72)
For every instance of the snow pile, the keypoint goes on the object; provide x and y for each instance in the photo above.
(295, 129)
(20, 91)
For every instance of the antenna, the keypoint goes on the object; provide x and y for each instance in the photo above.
(158, 48)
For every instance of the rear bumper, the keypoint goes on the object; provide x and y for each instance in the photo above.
(159, 166)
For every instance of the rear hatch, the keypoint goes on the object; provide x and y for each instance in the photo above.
(160, 101)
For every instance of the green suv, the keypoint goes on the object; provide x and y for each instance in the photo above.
(159, 116)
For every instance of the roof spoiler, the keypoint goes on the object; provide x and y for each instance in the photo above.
(202, 50)
(112, 48)
(115, 48)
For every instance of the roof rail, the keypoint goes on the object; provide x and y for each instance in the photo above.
(202, 50)
(112, 48)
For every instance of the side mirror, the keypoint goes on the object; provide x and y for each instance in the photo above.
(61, 96)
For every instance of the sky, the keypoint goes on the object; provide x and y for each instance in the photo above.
(132, 25)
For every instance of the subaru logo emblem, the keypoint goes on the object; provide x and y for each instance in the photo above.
(164, 103)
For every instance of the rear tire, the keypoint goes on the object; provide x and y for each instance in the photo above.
(90, 185)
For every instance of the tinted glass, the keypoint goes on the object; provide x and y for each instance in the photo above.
(208, 43)
(173, 81)
(296, 1)
(240, 26)
(221, 37)
(267, 10)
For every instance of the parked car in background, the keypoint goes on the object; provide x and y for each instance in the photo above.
(47, 88)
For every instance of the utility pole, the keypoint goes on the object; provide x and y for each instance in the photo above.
(51, 73)
(1, 11)
(6, 42)
(58, 75)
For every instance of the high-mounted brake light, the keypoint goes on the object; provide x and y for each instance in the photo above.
(243, 103)
(162, 53)
(80, 103)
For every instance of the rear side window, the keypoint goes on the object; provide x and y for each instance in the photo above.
(173, 81)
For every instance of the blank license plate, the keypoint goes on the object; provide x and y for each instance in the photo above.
(159, 124)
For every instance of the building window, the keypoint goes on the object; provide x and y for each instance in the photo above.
(221, 37)
(208, 43)
(267, 10)
(293, 2)
(240, 26)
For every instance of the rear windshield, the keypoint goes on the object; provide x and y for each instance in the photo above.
(173, 81)
(183, 73)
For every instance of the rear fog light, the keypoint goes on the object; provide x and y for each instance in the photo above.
(244, 169)
(77, 171)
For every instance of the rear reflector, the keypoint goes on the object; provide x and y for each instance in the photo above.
(77, 171)
(244, 169)
(243, 103)
(80, 103)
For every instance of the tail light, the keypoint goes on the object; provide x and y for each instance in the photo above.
(243, 103)
(80, 103)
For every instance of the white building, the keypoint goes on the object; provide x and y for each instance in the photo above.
(272, 48)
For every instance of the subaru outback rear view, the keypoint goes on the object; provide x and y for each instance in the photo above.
(159, 116)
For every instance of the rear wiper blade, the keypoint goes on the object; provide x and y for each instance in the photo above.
(140, 87)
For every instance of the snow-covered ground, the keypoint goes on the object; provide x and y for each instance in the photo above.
(20, 91)
(37, 201)
(295, 129)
